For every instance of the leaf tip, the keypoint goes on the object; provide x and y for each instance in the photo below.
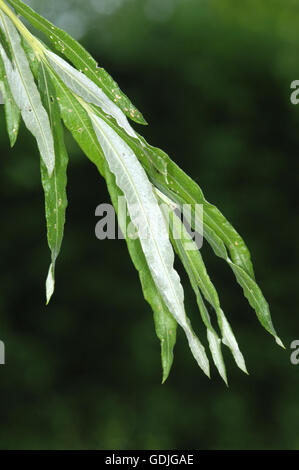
(166, 372)
(279, 342)
(137, 117)
(242, 366)
(12, 141)
(224, 378)
(143, 121)
(164, 378)
(50, 284)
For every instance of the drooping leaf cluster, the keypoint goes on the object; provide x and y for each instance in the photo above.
(50, 93)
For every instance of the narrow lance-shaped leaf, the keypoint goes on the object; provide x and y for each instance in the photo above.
(147, 217)
(12, 112)
(256, 299)
(192, 261)
(78, 122)
(186, 188)
(88, 90)
(4, 43)
(253, 294)
(80, 58)
(180, 239)
(165, 324)
(33, 60)
(208, 290)
(73, 114)
(200, 279)
(26, 95)
(54, 185)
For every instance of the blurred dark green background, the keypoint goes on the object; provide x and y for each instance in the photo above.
(213, 80)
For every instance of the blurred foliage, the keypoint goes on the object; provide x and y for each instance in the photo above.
(213, 80)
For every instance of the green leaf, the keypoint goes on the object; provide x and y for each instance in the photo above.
(187, 258)
(199, 278)
(148, 219)
(12, 112)
(165, 324)
(213, 338)
(256, 299)
(80, 58)
(88, 90)
(187, 190)
(4, 43)
(54, 186)
(26, 95)
(78, 122)
(34, 62)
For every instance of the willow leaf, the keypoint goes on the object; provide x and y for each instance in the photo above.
(88, 90)
(78, 122)
(80, 58)
(4, 43)
(199, 279)
(12, 112)
(213, 338)
(256, 299)
(188, 190)
(26, 95)
(54, 185)
(147, 217)
(34, 62)
(203, 281)
(213, 240)
(165, 324)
